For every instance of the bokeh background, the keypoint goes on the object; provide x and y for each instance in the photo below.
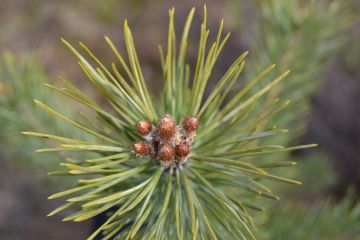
(318, 40)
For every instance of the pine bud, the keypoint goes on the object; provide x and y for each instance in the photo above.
(190, 124)
(166, 125)
(182, 150)
(143, 127)
(166, 153)
(141, 148)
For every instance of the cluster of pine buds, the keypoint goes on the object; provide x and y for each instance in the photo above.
(166, 143)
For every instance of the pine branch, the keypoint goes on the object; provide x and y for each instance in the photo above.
(171, 166)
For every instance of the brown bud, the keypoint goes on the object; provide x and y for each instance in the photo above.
(190, 124)
(143, 127)
(166, 125)
(166, 153)
(141, 148)
(182, 150)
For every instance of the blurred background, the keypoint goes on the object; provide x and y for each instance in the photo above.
(318, 40)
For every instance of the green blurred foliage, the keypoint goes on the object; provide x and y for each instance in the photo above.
(319, 219)
(22, 80)
(303, 36)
